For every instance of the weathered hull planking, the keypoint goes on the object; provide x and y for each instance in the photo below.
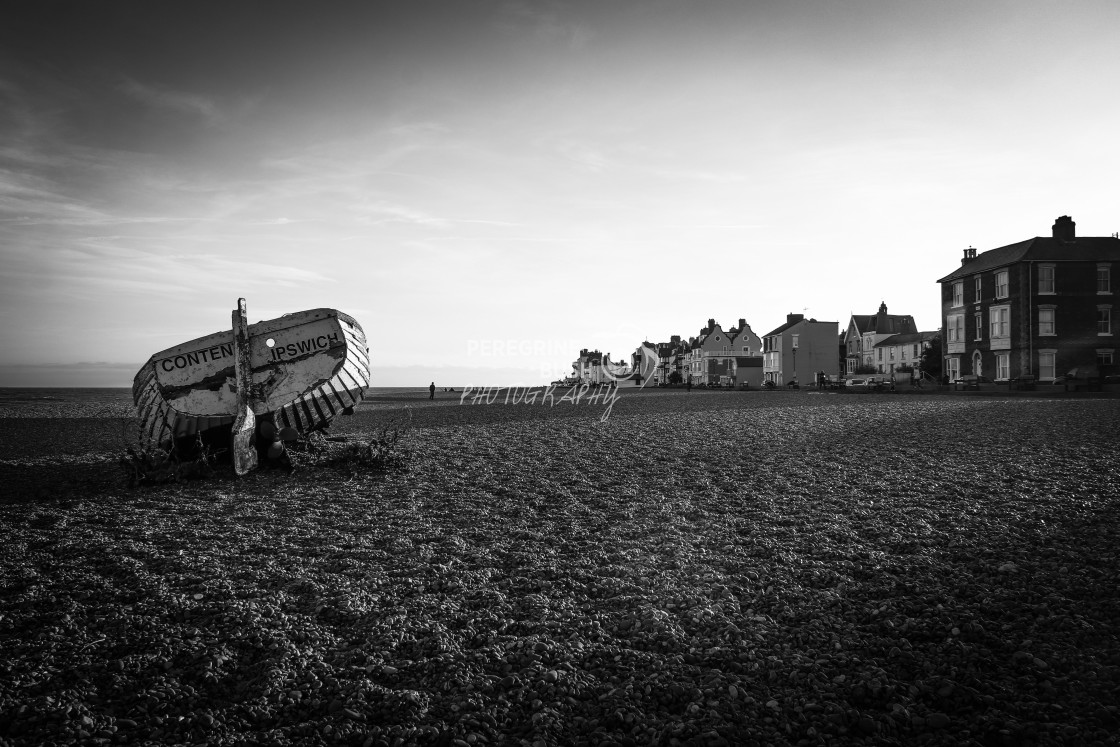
(307, 367)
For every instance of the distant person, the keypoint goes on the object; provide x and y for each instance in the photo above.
(432, 390)
(688, 386)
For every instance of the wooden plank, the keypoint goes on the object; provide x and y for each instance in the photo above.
(245, 426)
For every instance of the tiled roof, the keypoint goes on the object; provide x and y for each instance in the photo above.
(792, 323)
(906, 338)
(1041, 249)
(884, 324)
(783, 328)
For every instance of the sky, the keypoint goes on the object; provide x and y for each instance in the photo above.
(490, 186)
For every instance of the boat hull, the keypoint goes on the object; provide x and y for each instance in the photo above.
(307, 368)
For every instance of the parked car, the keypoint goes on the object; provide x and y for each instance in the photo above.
(971, 379)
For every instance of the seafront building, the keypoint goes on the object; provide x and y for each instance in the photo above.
(865, 331)
(1039, 308)
(799, 351)
(724, 358)
(902, 351)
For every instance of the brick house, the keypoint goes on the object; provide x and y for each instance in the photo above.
(1040, 307)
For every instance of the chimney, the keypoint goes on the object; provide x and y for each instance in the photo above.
(742, 324)
(969, 255)
(1064, 229)
(675, 338)
(791, 318)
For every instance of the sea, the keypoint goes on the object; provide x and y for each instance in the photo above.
(29, 402)
(113, 395)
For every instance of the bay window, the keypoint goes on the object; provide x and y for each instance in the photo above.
(998, 319)
(1003, 367)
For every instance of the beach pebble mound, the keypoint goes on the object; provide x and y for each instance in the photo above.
(701, 569)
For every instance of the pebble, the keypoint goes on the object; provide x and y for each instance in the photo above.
(499, 630)
(938, 721)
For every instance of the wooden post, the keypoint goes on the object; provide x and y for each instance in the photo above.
(245, 426)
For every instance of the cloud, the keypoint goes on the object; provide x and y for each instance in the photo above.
(543, 20)
(178, 101)
(381, 212)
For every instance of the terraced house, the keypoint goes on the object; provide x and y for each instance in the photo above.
(725, 358)
(903, 352)
(1040, 307)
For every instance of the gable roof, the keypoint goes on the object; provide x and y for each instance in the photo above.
(1041, 249)
(884, 323)
(906, 339)
(784, 327)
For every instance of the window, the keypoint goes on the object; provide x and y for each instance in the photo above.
(1046, 279)
(955, 328)
(978, 319)
(917, 351)
(892, 354)
(880, 354)
(1104, 320)
(1003, 368)
(1104, 282)
(1047, 364)
(997, 318)
(1046, 321)
(953, 368)
(1001, 284)
(1105, 357)
(958, 294)
(795, 341)
(976, 296)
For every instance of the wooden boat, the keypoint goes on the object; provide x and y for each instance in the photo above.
(306, 368)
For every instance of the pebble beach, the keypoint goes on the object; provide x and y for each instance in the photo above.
(704, 568)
